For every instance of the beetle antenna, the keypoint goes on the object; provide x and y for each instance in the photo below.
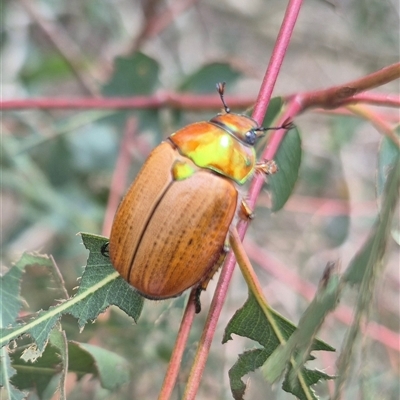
(221, 90)
(288, 124)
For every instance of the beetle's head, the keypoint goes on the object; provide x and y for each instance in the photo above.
(245, 128)
(240, 126)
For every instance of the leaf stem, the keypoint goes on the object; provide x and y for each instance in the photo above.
(56, 310)
(256, 290)
(252, 280)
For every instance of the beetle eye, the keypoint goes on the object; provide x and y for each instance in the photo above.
(251, 137)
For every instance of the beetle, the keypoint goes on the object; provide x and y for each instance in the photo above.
(170, 231)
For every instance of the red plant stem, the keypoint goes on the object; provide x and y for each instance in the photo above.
(180, 345)
(375, 99)
(392, 117)
(276, 138)
(228, 268)
(209, 329)
(172, 100)
(276, 60)
(348, 92)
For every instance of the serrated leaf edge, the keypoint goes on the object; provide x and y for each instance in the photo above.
(59, 309)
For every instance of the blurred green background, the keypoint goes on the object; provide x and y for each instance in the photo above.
(57, 165)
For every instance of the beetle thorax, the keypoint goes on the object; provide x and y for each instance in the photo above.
(219, 145)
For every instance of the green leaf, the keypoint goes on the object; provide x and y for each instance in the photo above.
(370, 256)
(133, 75)
(388, 154)
(366, 267)
(251, 322)
(303, 390)
(10, 285)
(7, 372)
(205, 79)
(11, 303)
(274, 108)
(30, 374)
(343, 129)
(117, 292)
(111, 369)
(44, 68)
(58, 340)
(300, 342)
(247, 362)
(101, 286)
(288, 159)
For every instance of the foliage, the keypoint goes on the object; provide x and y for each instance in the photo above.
(56, 174)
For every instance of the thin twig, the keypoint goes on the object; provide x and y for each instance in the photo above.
(162, 99)
(388, 116)
(374, 99)
(174, 100)
(179, 348)
(381, 125)
(227, 271)
(274, 66)
(64, 45)
(348, 93)
(156, 23)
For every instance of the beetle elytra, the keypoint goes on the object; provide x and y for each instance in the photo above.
(170, 231)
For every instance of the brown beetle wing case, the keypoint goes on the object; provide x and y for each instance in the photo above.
(137, 206)
(167, 235)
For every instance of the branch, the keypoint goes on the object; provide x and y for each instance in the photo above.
(64, 45)
(349, 92)
(374, 99)
(162, 99)
(155, 24)
(281, 45)
(179, 348)
(203, 349)
(379, 123)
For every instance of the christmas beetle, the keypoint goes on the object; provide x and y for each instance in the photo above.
(170, 231)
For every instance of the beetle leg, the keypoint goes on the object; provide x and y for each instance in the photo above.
(197, 302)
(227, 248)
(268, 167)
(104, 250)
(246, 211)
(210, 274)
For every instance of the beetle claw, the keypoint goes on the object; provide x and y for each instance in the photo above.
(268, 167)
(105, 252)
(246, 210)
(197, 302)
